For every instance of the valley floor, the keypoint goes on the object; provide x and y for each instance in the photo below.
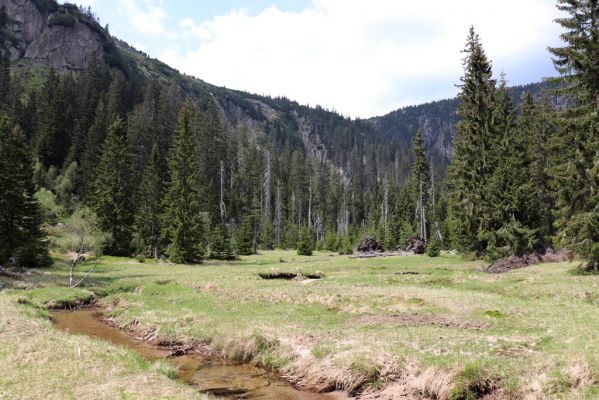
(416, 327)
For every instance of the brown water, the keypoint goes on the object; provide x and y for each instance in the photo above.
(223, 378)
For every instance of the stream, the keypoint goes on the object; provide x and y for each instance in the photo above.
(219, 377)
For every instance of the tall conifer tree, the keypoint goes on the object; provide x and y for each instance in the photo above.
(471, 163)
(183, 227)
(147, 218)
(576, 175)
(112, 192)
(20, 217)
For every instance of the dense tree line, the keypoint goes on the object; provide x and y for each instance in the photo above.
(167, 176)
(524, 180)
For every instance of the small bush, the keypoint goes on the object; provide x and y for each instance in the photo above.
(345, 246)
(305, 245)
(433, 249)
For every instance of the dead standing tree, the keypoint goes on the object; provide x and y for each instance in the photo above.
(278, 215)
(80, 235)
(223, 209)
(421, 212)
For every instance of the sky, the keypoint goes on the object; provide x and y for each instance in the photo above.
(359, 58)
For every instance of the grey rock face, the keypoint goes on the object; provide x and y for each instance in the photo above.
(64, 47)
(59, 47)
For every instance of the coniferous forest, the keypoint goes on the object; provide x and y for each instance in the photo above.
(161, 173)
(163, 237)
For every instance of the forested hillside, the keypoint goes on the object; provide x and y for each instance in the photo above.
(437, 121)
(172, 166)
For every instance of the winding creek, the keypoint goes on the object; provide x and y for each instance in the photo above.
(222, 378)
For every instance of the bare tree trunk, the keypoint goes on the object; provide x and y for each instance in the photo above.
(310, 204)
(343, 223)
(266, 190)
(385, 205)
(421, 213)
(223, 210)
(293, 210)
(72, 272)
(433, 191)
(319, 228)
(278, 215)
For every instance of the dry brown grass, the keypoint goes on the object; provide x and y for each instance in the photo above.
(38, 362)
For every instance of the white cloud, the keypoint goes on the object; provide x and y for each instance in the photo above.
(145, 16)
(360, 58)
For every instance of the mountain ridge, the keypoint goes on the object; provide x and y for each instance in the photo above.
(45, 34)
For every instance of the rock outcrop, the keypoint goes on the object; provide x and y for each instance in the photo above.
(33, 38)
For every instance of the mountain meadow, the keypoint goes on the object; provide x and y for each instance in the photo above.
(162, 237)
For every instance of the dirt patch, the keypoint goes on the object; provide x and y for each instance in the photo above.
(416, 319)
(278, 275)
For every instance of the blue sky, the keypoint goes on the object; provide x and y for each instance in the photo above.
(360, 58)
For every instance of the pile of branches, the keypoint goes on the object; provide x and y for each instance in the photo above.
(416, 246)
(369, 244)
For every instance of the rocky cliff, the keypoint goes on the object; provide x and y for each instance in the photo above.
(49, 36)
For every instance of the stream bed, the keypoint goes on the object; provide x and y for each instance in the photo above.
(219, 377)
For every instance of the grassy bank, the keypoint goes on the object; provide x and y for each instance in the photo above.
(38, 362)
(433, 327)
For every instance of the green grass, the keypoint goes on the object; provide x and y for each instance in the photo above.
(40, 362)
(368, 323)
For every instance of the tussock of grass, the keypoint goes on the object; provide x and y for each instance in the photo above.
(57, 297)
(277, 275)
(473, 382)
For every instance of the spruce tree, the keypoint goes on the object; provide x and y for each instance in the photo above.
(228, 245)
(149, 198)
(433, 249)
(305, 245)
(21, 237)
(267, 235)
(48, 141)
(536, 123)
(220, 245)
(245, 236)
(471, 165)
(420, 186)
(576, 173)
(111, 198)
(91, 85)
(508, 191)
(217, 244)
(330, 240)
(92, 150)
(183, 226)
